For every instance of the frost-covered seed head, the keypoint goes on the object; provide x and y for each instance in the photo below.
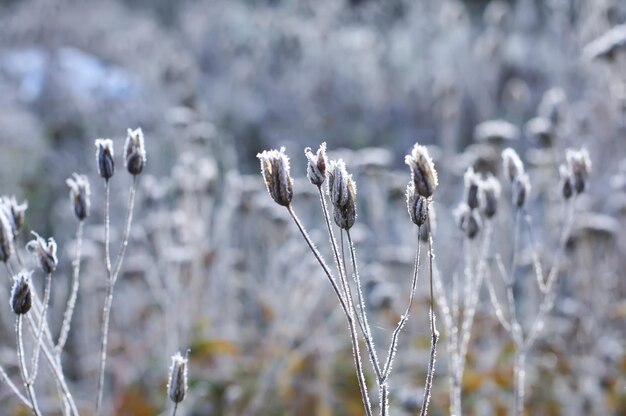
(15, 212)
(471, 188)
(104, 157)
(417, 205)
(342, 191)
(579, 164)
(512, 164)
(6, 236)
(489, 195)
(316, 166)
(423, 171)
(135, 151)
(177, 384)
(521, 189)
(45, 251)
(468, 220)
(79, 195)
(567, 189)
(21, 300)
(275, 171)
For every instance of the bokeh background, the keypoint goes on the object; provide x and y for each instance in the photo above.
(213, 265)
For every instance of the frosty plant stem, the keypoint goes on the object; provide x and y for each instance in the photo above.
(349, 312)
(112, 275)
(23, 369)
(71, 302)
(433, 327)
(574, 179)
(134, 161)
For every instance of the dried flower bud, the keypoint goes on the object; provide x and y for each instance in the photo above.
(489, 195)
(342, 191)
(316, 166)
(15, 212)
(177, 384)
(521, 189)
(423, 171)
(6, 237)
(567, 189)
(46, 252)
(135, 151)
(275, 171)
(471, 188)
(580, 165)
(417, 205)
(79, 195)
(104, 157)
(468, 220)
(21, 300)
(513, 166)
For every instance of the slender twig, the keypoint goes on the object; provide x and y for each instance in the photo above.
(369, 338)
(433, 326)
(404, 318)
(112, 278)
(71, 302)
(548, 300)
(14, 388)
(42, 321)
(128, 222)
(175, 409)
(23, 369)
(347, 310)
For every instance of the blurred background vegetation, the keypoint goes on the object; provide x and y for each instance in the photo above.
(213, 82)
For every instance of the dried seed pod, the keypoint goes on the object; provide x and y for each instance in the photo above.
(423, 171)
(79, 195)
(177, 384)
(316, 166)
(489, 195)
(21, 300)
(275, 171)
(342, 191)
(46, 252)
(104, 157)
(579, 164)
(15, 212)
(567, 189)
(6, 237)
(471, 188)
(417, 205)
(468, 220)
(135, 151)
(512, 164)
(521, 189)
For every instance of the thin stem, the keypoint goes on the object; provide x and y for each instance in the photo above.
(71, 302)
(112, 278)
(369, 338)
(468, 316)
(129, 220)
(548, 300)
(520, 376)
(433, 327)
(55, 367)
(107, 228)
(42, 321)
(175, 409)
(347, 310)
(362, 321)
(14, 388)
(404, 318)
(23, 369)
